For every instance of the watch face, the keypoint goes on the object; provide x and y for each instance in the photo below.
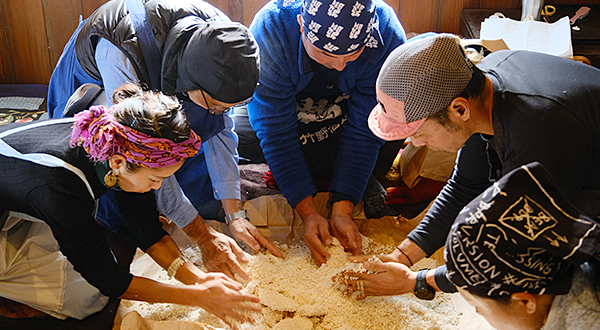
(425, 294)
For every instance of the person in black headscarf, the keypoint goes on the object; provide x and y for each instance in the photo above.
(211, 64)
(524, 257)
(520, 253)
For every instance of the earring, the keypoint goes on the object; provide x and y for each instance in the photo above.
(110, 179)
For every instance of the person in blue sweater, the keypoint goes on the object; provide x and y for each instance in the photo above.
(319, 63)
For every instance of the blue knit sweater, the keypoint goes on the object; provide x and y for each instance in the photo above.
(285, 72)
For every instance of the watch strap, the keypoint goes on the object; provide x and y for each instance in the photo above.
(422, 289)
(236, 215)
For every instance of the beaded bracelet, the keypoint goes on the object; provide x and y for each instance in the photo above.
(178, 262)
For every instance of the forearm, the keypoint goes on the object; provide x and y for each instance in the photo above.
(306, 208)
(231, 205)
(470, 178)
(343, 208)
(408, 253)
(165, 251)
(355, 160)
(198, 230)
(145, 289)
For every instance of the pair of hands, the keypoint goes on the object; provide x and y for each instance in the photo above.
(387, 277)
(222, 254)
(316, 228)
(215, 292)
(221, 296)
(317, 235)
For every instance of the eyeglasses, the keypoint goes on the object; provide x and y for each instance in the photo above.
(243, 103)
(219, 109)
(215, 109)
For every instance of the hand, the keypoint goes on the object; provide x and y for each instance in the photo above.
(386, 279)
(243, 230)
(346, 231)
(222, 254)
(316, 233)
(390, 257)
(222, 297)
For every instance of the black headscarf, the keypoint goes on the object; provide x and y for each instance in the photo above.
(220, 58)
(520, 235)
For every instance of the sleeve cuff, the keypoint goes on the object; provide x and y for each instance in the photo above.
(442, 281)
(338, 196)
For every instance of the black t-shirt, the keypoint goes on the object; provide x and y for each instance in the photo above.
(546, 109)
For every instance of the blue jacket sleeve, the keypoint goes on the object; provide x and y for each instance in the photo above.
(114, 66)
(172, 202)
(222, 162)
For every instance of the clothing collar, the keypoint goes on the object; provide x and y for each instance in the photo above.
(304, 60)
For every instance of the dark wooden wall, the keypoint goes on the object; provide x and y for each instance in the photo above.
(34, 32)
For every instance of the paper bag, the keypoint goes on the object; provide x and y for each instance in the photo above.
(550, 38)
(422, 162)
(134, 321)
(275, 218)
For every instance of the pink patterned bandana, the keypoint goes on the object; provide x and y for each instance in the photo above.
(101, 136)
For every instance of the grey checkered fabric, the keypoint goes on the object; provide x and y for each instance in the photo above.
(426, 75)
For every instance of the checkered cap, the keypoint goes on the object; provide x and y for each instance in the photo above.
(520, 235)
(340, 26)
(418, 79)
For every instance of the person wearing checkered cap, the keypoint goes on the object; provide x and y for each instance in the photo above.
(504, 112)
(524, 257)
(319, 64)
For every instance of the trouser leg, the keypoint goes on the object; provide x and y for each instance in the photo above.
(248, 144)
(34, 272)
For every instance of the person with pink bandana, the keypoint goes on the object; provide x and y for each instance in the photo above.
(56, 256)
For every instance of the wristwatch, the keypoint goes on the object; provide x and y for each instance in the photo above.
(236, 215)
(422, 289)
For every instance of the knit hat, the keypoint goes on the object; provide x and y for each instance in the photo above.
(340, 26)
(220, 58)
(520, 235)
(418, 79)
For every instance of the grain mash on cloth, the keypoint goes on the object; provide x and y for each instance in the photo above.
(296, 294)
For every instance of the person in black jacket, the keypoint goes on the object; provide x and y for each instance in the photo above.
(210, 64)
(56, 257)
